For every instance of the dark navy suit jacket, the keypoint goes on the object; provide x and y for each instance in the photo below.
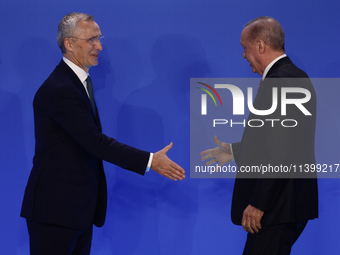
(67, 185)
(283, 200)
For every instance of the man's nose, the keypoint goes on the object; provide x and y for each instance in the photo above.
(98, 45)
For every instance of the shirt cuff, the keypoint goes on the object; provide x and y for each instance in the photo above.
(149, 163)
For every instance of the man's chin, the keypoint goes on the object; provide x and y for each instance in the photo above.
(252, 68)
(255, 71)
(94, 63)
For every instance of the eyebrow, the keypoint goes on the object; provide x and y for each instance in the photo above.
(96, 36)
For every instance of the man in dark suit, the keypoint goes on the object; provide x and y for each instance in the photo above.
(66, 192)
(273, 208)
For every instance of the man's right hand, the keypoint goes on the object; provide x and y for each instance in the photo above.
(165, 166)
(221, 154)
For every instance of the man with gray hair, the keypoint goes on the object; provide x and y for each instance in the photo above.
(66, 193)
(274, 211)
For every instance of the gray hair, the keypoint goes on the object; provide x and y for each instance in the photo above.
(68, 25)
(267, 29)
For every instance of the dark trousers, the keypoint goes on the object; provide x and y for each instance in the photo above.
(46, 239)
(274, 240)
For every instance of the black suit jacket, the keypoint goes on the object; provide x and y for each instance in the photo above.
(67, 185)
(283, 200)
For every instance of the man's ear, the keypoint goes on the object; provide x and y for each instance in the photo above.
(260, 44)
(68, 43)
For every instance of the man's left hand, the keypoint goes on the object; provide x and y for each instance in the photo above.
(251, 221)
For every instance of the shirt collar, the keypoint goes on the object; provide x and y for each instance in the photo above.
(271, 64)
(82, 75)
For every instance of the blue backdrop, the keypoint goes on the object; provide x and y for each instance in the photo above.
(152, 49)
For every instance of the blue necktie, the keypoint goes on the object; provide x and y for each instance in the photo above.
(89, 87)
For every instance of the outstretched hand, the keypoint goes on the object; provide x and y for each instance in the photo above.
(165, 166)
(221, 154)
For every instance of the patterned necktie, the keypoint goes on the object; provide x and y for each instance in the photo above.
(89, 87)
